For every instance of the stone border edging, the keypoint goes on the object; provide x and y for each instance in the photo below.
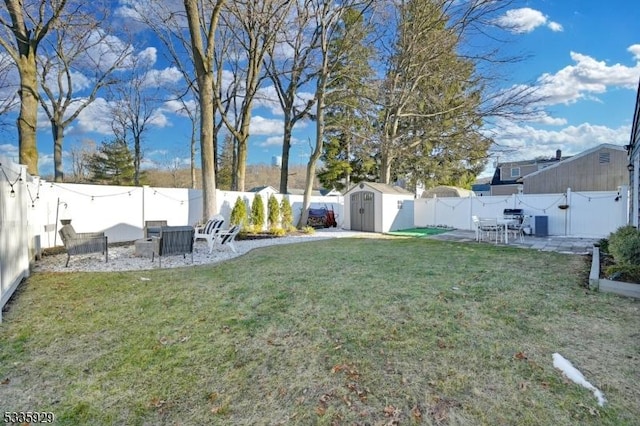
(609, 286)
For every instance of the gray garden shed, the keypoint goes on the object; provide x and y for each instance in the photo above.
(377, 207)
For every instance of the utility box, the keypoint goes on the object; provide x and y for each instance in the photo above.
(541, 226)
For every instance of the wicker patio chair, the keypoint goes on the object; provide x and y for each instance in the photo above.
(152, 227)
(173, 240)
(83, 242)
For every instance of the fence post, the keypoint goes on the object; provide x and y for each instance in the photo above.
(567, 213)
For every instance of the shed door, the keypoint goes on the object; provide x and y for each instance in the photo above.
(362, 211)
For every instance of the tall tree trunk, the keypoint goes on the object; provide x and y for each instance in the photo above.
(28, 119)
(193, 157)
(137, 159)
(241, 170)
(286, 147)
(385, 168)
(209, 207)
(58, 138)
(315, 156)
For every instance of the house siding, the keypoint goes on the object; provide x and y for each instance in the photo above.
(588, 173)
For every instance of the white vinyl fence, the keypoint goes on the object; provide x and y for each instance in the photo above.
(589, 214)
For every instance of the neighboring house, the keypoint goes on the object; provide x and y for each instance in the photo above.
(602, 168)
(262, 190)
(482, 187)
(508, 176)
(634, 164)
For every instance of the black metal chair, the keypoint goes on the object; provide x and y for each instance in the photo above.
(83, 242)
(173, 240)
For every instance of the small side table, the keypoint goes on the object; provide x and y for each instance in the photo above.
(143, 248)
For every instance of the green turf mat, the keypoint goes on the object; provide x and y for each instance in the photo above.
(419, 232)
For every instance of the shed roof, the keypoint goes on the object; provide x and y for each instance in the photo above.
(382, 188)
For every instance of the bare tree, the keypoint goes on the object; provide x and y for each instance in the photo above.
(136, 100)
(8, 88)
(80, 49)
(327, 15)
(289, 66)
(22, 29)
(203, 18)
(80, 156)
(188, 30)
(254, 25)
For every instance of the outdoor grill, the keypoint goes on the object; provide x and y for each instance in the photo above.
(513, 214)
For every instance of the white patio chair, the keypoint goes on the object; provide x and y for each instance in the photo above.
(517, 231)
(489, 227)
(209, 231)
(227, 238)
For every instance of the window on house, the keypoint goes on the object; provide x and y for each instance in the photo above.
(515, 172)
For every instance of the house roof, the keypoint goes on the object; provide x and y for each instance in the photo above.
(447, 191)
(262, 188)
(382, 188)
(495, 180)
(577, 156)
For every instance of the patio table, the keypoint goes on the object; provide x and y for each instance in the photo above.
(505, 224)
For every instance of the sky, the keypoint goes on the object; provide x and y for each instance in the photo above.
(582, 55)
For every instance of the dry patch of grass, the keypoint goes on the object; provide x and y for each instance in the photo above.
(348, 331)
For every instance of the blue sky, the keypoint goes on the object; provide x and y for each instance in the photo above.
(585, 57)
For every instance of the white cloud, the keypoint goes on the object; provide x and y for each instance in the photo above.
(587, 77)
(527, 142)
(265, 126)
(525, 20)
(276, 141)
(555, 27)
(635, 51)
(162, 78)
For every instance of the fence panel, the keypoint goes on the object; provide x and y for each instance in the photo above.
(15, 240)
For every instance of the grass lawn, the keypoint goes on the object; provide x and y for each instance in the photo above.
(346, 331)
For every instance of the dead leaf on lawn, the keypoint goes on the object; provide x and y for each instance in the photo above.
(440, 411)
(520, 355)
(321, 410)
(523, 386)
(416, 413)
(157, 402)
(591, 410)
(5, 381)
(391, 411)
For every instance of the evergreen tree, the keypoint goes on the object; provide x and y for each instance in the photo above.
(273, 208)
(346, 158)
(224, 175)
(257, 213)
(429, 102)
(112, 164)
(239, 213)
(287, 214)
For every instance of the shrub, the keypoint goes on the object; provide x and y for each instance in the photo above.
(273, 218)
(624, 245)
(287, 214)
(603, 243)
(277, 232)
(239, 213)
(623, 272)
(308, 230)
(257, 213)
